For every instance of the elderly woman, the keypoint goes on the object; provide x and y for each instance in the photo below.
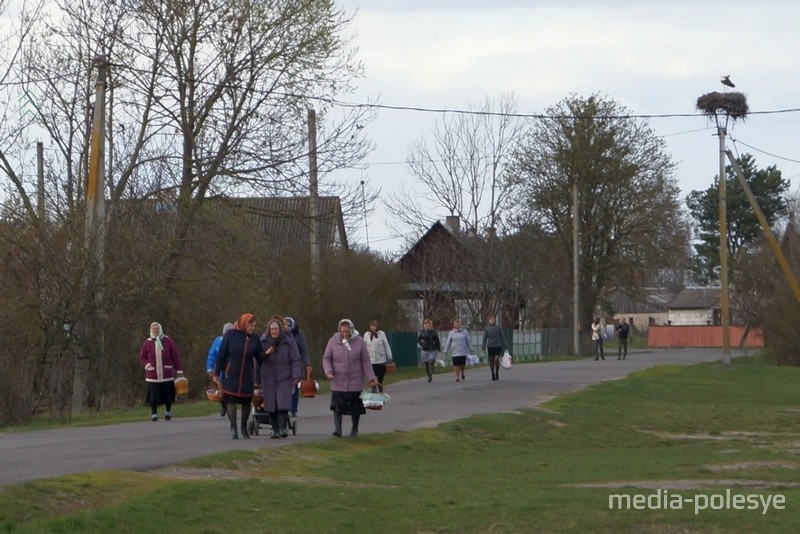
(161, 361)
(236, 358)
(347, 366)
(278, 374)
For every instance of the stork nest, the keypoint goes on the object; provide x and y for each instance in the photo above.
(732, 104)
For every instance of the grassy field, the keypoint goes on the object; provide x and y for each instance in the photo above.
(698, 434)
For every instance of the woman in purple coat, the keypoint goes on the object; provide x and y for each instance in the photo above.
(278, 374)
(347, 366)
(162, 364)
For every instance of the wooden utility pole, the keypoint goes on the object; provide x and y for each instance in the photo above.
(723, 250)
(95, 234)
(313, 200)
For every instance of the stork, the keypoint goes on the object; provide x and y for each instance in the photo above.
(726, 80)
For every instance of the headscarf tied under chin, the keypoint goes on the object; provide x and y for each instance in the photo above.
(157, 339)
(275, 340)
(244, 320)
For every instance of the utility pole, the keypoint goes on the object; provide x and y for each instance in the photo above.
(723, 250)
(40, 180)
(95, 235)
(364, 207)
(576, 318)
(313, 201)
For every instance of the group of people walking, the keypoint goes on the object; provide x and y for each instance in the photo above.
(459, 346)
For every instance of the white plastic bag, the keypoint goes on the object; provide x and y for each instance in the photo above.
(505, 361)
(472, 359)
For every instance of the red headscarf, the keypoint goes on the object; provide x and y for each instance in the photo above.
(244, 320)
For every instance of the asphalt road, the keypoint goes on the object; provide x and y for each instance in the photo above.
(414, 403)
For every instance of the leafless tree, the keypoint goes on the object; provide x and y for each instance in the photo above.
(461, 170)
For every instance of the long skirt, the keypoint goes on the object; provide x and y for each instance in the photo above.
(160, 392)
(347, 402)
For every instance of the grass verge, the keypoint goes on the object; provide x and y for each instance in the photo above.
(693, 432)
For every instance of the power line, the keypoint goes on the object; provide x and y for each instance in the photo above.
(764, 151)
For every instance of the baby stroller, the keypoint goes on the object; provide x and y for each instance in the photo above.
(260, 417)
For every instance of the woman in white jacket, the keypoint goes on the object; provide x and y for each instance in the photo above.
(379, 351)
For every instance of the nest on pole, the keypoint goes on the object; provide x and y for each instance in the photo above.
(732, 104)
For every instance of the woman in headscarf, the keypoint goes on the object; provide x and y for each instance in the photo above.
(161, 361)
(237, 354)
(347, 366)
(278, 374)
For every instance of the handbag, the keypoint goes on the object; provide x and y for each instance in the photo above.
(391, 367)
(505, 361)
(375, 400)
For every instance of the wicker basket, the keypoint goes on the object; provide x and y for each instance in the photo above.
(309, 386)
(375, 401)
(181, 386)
(214, 394)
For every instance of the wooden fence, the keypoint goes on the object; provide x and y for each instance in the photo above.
(702, 336)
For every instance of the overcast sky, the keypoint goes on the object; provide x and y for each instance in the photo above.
(653, 57)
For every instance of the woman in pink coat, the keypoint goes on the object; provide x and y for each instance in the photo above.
(347, 365)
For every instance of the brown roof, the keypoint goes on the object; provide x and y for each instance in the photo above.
(693, 298)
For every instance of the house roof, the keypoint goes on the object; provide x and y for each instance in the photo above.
(436, 227)
(693, 298)
(282, 222)
(646, 300)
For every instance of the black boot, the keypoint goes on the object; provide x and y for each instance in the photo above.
(273, 422)
(282, 422)
(429, 370)
(245, 417)
(231, 409)
(354, 430)
(337, 424)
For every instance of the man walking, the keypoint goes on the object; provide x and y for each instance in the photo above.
(622, 334)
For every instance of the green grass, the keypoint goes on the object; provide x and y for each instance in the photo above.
(543, 470)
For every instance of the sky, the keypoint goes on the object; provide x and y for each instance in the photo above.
(653, 57)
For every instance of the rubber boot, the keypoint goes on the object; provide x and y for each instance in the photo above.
(354, 430)
(245, 417)
(282, 422)
(231, 409)
(273, 422)
(337, 424)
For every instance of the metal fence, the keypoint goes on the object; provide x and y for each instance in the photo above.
(526, 345)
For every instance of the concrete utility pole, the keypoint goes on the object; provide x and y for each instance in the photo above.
(576, 317)
(95, 233)
(313, 201)
(40, 181)
(723, 250)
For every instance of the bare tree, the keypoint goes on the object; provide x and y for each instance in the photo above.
(205, 98)
(463, 171)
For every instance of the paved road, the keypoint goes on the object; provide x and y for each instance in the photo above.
(415, 403)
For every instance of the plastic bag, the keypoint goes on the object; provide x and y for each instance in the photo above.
(472, 359)
(505, 361)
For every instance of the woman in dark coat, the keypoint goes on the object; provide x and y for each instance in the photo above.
(278, 374)
(239, 351)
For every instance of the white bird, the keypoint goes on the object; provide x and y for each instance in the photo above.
(726, 80)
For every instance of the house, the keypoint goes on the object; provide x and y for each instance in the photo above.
(450, 275)
(641, 308)
(695, 306)
(437, 267)
(282, 223)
